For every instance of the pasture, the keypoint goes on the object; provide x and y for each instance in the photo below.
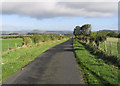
(111, 44)
(10, 43)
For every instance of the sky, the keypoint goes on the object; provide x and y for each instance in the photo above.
(59, 16)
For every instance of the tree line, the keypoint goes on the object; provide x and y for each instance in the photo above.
(93, 40)
(85, 34)
(37, 39)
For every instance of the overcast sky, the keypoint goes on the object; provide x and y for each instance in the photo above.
(18, 16)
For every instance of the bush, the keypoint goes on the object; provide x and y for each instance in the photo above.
(119, 35)
(36, 39)
(60, 37)
(53, 37)
(92, 39)
(45, 38)
(99, 39)
(27, 41)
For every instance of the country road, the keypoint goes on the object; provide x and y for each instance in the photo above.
(55, 66)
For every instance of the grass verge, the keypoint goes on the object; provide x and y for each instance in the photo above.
(95, 70)
(13, 61)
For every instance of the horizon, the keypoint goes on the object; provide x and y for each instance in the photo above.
(54, 30)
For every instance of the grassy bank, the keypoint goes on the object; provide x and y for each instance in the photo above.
(13, 61)
(95, 70)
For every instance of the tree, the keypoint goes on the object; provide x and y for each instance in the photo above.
(76, 30)
(86, 29)
(112, 34)
(83, 30)
(13, 33)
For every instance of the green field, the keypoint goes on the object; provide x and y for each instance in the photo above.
(94, 69)
(113, 48)
(15, 60)
(10, 43)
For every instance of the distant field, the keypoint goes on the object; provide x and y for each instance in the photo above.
(10, 43)
(114, 45)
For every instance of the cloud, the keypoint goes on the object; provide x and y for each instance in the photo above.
(59, 1)
(93, 6)
(41, 10)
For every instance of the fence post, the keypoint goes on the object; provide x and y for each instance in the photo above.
(118, 45)
(105, 47)
(110, 47)
(8, 47)
(16, 45)
(99, 45)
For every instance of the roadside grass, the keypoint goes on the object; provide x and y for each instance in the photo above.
(95, 70)
(11, 43)
(113, 48)
(15, 60)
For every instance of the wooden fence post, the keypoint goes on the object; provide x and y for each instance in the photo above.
(16, 45)
(118, 45)
(110, 47)
(105, 47)
(99, 45)
(8, 47)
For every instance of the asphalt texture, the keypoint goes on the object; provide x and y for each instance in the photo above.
(55, 66)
